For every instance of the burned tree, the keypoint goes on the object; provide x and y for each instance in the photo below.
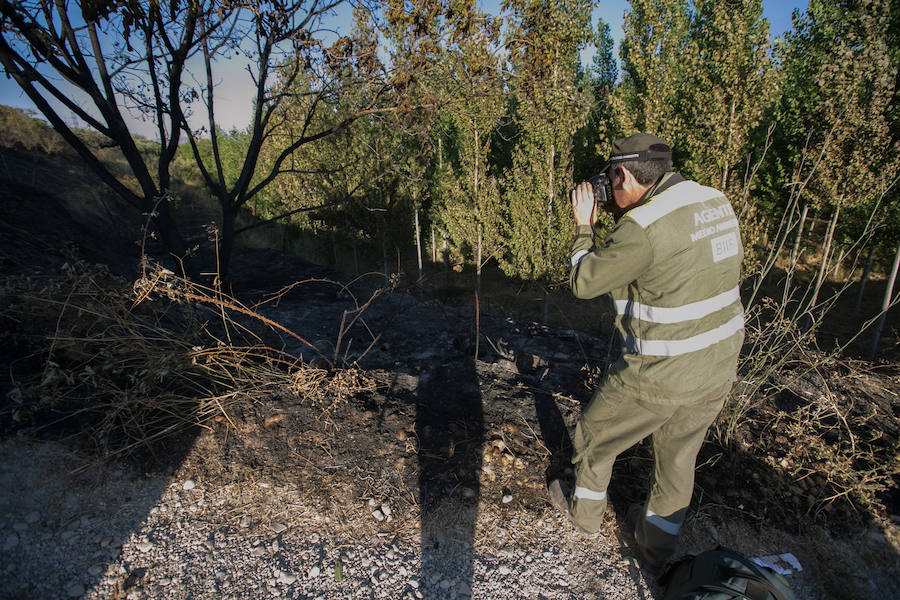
(139, 54)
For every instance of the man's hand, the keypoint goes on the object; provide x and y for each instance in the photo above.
(582, 198)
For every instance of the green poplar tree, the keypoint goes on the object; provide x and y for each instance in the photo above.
(656, 38)
(730, 83)
(836, 134)
(467, 200)
(543, 41)
(592, 142)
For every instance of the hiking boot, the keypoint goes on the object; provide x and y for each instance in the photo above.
(559, 496)
(632, 516)
(635, 512)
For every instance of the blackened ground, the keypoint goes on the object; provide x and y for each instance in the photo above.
(440, 422)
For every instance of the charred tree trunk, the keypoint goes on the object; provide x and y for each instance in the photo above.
(418, 243)
(864, 279)
(478, 262)
(226, 246)
(885, 305)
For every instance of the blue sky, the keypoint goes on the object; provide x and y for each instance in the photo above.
(234, 92)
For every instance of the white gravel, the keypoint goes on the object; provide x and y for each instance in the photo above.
(104, 535)
(109, 535)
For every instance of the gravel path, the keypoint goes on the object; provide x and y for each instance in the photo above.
(109, 535)
(112, 535)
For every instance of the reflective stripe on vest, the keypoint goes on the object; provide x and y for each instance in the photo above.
(576, 258)
(678, 196)
(692, 344)
(677, 314)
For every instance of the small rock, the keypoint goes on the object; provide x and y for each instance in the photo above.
(468, 493)
(379, 516)
(506, 365)
(314, 572)
(76, 590)
(245, 522)
(33, 517)
(279, 527)
(287, 578)
(144, 546)
(876, 536)
(527, 363)
(11, 541)
(507, 498)
(258, 551)
(386, 509)
(504, 570)
(444, 584)
(414, 584)
(188, 485)
(314, 538)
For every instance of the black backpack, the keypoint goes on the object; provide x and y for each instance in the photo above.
(723, 574)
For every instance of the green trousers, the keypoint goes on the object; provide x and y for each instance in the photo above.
(612, 423)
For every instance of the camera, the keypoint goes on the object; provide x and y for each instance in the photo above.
(602, 190)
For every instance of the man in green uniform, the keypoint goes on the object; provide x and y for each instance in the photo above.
(671, 266)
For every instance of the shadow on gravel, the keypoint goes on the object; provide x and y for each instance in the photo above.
(64, 515)
(450, 428)
(65, 526)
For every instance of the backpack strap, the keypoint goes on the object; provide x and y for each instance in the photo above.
(732, 595)
(758, 587)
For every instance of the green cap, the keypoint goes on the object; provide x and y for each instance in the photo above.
(640, 146)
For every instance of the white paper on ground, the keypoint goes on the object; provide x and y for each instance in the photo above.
(783, 564)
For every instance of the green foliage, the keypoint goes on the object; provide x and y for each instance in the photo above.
(656, 37)
(465, 193)
(729, 84)
(413, 112)
(835, 126)
(592, 142)
(543, 41)
(21, 127)
(232, 150)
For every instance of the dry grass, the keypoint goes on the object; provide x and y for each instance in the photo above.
(124, 365)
